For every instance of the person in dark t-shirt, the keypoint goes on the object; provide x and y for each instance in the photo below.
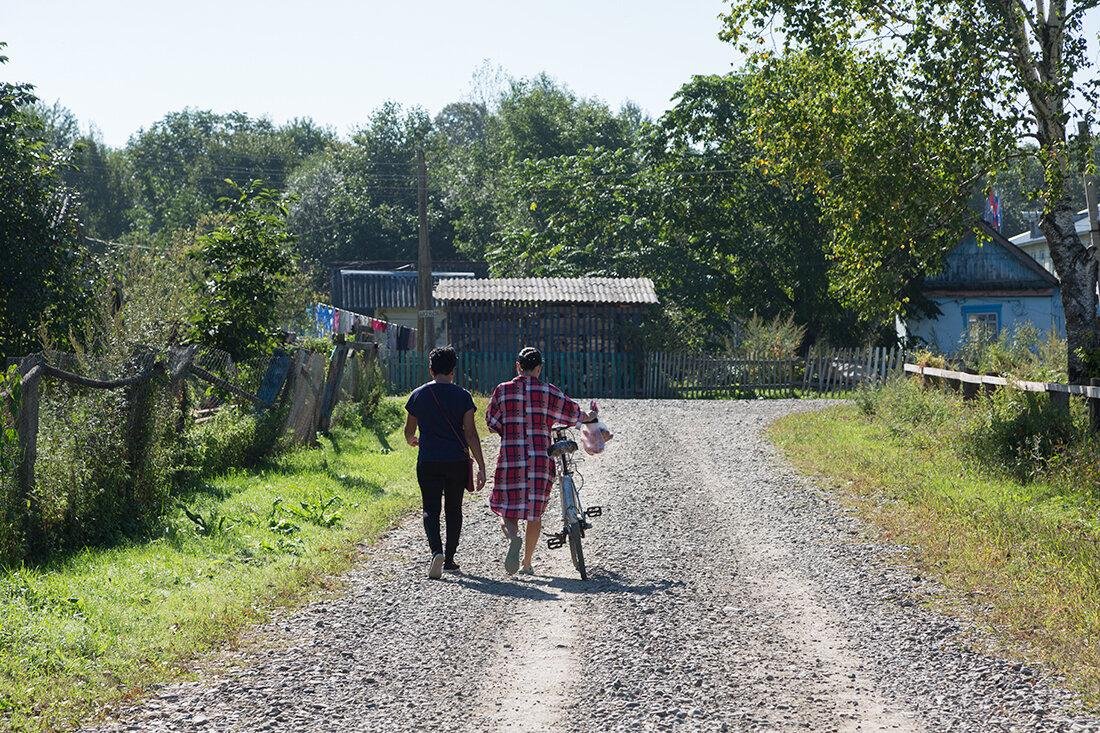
(443, 413)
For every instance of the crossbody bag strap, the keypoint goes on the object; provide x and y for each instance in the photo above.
(460, 436)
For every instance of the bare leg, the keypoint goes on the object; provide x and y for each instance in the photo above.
(510, 527)
(534, 534)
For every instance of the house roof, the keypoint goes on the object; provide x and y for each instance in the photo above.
(550, 289)
(364, 291)
(1034, 236)
(993, 265)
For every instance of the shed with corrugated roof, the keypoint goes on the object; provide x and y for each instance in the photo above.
(556, 314)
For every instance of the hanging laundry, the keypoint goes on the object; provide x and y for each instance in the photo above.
(404, 338)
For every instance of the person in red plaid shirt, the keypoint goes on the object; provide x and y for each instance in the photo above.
(522, 412)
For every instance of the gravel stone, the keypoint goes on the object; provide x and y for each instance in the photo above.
(727, 594)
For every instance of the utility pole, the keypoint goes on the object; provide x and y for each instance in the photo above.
(425, 332)
(1090, 188)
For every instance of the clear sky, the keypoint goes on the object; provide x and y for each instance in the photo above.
(123, 64)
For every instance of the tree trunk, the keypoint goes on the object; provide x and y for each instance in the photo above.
(1077, 269)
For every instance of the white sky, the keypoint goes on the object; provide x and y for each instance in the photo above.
(123, 64)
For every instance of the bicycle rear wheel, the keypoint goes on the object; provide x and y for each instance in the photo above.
(575, 549)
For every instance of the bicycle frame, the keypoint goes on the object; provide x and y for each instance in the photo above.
(573, 513)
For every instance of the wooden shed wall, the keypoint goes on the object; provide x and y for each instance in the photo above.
(487, 326)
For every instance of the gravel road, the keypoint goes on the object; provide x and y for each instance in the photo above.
(727, 594)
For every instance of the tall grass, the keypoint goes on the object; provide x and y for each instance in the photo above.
(998, 497)
(1022, 435)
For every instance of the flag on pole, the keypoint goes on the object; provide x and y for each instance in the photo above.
(993, 209)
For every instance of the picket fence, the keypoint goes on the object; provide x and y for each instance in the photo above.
(663, 375)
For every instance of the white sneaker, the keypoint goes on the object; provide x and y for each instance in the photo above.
(435, 569)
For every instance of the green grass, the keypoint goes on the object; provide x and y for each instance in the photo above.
(1025, 558)
(102, 625)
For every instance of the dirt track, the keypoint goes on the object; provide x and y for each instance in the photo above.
(728, 594)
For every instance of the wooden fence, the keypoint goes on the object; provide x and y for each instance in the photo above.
(297, 383)
(658, 375)
(830, 371)
(972, 384)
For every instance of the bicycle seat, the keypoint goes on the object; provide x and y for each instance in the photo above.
(562, 447)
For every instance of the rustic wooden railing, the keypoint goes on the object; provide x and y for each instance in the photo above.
(971, 384)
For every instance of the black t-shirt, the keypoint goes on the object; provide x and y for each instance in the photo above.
(438, 439)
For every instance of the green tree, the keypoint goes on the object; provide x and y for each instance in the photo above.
(180, 164)
(687, 206)
(479, 147)
(895, 111)
(45, 275)
(358, 200)
(247, 269)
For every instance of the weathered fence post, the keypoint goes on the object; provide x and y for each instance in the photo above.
(140, 397)
(1094, 407)
(331, 393)
(969, 390)
(26, 426)
(1060, 400)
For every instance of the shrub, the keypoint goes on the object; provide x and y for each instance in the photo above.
(233, 438)
(926, 358)
(1019, 353)
(779, 338)
(1021, 434)
(1018, 432)
(104, 467)
(248, 271)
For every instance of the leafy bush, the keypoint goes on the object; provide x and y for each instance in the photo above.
(910, 411)
(1019, 432)
(926, 358)
(779, 338)
(233, 438)
(248, 271)
(1021, 353)
(221, 443)
(362, 396)
(105, 464)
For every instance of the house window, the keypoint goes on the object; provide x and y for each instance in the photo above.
(982, 323)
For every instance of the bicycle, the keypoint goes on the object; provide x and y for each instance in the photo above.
(574, 515)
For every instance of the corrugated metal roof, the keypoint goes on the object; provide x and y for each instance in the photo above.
(365, 290)
(550, 289)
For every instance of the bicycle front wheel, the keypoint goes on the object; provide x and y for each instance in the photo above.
(575, 549)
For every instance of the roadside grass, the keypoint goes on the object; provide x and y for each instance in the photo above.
(99, 627)
(1024, 556)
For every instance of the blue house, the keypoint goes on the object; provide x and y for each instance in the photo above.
(992, 284)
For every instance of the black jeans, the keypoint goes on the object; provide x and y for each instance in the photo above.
(442, 482)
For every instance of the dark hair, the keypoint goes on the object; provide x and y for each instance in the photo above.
(529, 358)
(442, 360)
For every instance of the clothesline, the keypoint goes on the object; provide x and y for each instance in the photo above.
(329, 319)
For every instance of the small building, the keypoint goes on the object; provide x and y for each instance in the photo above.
(990, 284)
(588, 329)
(390, 294)
(1034, 242)
(574, 315)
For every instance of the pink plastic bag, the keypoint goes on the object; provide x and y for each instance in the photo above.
(594, 435)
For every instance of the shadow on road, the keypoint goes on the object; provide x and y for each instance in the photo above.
(508, 588)
(534, 588)
(608, 581)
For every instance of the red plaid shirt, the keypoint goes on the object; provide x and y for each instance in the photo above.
(521, 412)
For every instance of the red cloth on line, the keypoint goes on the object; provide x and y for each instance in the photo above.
(521, 412)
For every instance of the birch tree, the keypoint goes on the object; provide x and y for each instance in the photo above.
(896, 111)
